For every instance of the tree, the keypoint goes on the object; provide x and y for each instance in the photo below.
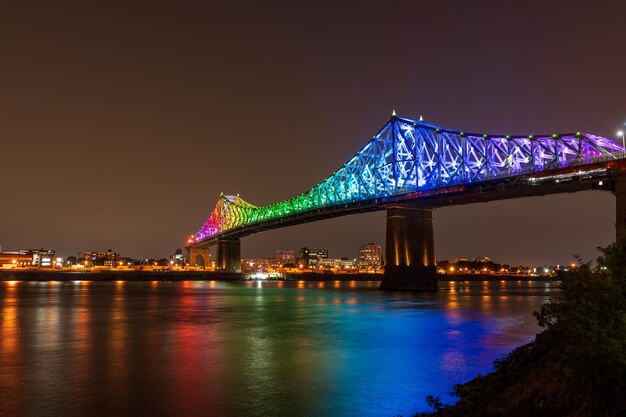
(587, 323)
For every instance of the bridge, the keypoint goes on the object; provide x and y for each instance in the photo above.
(411, 167)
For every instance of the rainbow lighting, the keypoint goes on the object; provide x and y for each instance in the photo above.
(408, 156)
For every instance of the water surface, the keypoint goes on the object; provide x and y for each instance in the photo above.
(250, 348)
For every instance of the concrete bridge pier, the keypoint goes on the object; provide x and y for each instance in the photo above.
(410, 250)
(229, 255)
(199, 257)
(619, 188)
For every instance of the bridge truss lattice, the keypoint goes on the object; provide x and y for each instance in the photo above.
(408, 156)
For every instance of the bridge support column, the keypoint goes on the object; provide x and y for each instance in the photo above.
(410, 250)
(620, 212)
(229, 255)
(199, 257)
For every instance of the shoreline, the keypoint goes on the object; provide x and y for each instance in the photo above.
(48, 275)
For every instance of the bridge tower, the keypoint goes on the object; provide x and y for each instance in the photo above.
(229, 255)
(199, 256)
(619, 188)
(410, 249)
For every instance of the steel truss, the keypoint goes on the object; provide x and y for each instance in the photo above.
(408, 156)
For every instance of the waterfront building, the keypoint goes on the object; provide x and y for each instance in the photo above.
(370, 256)
(41, 258)
(337, 263)
(311, 257)
(259, 264)
(109, 258)
(178, 259)
(14, 259)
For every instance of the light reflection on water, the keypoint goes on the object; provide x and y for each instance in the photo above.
(251, 348)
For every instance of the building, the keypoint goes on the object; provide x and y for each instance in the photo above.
(41, 258)
(370, 256)
(311, 257)
(249, 265)
(109, 258)
(334, 263)
(178, 259)
(15, 259)
(285, 257)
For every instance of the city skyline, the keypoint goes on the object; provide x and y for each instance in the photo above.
(124, 138)
(278, 254)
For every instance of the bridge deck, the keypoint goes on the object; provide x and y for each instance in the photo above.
(591, 177)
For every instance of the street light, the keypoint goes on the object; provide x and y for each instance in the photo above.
(621, 133)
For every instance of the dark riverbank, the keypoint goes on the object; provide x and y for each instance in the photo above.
(50, 275)
(42, 275)
(490, 277)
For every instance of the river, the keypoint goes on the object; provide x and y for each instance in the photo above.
(207, 348)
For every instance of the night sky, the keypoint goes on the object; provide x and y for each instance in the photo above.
(121, 122)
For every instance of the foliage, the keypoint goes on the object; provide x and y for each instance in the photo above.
(587, 323)
(434, 402)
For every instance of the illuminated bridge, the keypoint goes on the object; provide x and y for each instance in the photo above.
(410, 167)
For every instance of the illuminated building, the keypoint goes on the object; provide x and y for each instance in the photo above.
(334, 263)
(178, 259)
(370, 256)
(108, 258)
(308, 257)
(13, 259)
(259, 264)
(42, 258)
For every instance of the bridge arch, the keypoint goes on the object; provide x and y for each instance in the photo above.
(199, 256)
(199, 261)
